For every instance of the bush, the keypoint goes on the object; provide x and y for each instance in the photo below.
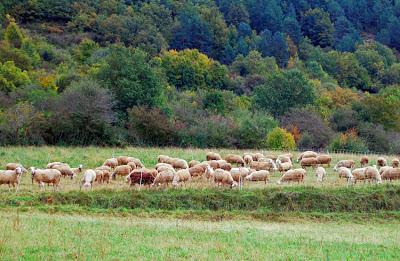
(348, 142)
(344, 119)
(280, 139)
(375, 137)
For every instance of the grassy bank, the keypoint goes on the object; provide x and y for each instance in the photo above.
(50, 237)
(302, 199)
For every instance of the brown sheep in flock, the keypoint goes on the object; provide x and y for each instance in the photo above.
(324, 159)
(308, 162)
(213, 156)
(395, 163)
(235, 159)
(381, 162)
(364, 161)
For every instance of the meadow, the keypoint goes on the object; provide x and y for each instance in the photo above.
(309, 221)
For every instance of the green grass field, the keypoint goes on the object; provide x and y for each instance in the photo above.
(307, 221)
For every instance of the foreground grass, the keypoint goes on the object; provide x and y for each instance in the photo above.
(38, 236)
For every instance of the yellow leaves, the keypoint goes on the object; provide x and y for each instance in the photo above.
(48, 81)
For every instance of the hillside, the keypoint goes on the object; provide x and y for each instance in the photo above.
(237, 74)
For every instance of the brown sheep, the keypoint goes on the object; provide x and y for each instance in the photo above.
(213, 156)
(181, 176)
(122, 170)
(391, 174)
(238, 174)
(344, 163)
(13, 166)
(122, 160)
(285, 166)
(235, 159)
(193, 163)
(112, 163)
(381, 162)
(164, 177)
(364, 161)
(359, 174)
(285, 157)
(372, 173)
(223, 177)
(307, 154)
(163, 159)
(51, 164)
(260, 175)
(102, 175)
(395, 163)
(11, 177)
(324, 159)
(65, 170)
(197, 171)
(308, 162)
(248, 159)
(137, 162)
(293, 175)
(269, 165)
(180, 164)
(49, 176)
(224, 165)
(132, 164)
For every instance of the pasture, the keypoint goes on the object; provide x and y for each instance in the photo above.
(92, 157)
(308, 221)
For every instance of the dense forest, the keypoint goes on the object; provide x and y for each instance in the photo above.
(272, 74)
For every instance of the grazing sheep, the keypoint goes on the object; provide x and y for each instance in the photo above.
(293, 175)
(267, 165)
(11, 177)
(346, 173)
(324, 159)
(162, 168)
(364, 161)
(283, 166)
(269, 156)
(164, 177)
(308, 162)
(137, 162)
(142, 176)
(193, 163)
(122, 170)
(344, 163)
(260, 175)
(51, 164)
(307, 154)
(49, 176)
(77, 170)
(88, 178)
(197, 170)
(320, 173)
(213, 156)
(358, 174)
(181, 176)
(66, 171)
(163, 159)
(372, 173)
(383, 169)
(248, 159)
(381, 162)
(14, 166)
(132, 164)
(99, 176)
(391, 174)
(285, 158)
(180, 164)
(235, 159)
(395, 163)
(224, 165)
(223, 177)
(122, 160)
(102, 175)
(238, 174)
(162, 165)
(112, 163)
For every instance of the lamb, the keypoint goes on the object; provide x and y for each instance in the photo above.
(346, 173)
(88, 178)
(49, 176)
(223, 177)
(193, 163)
(320, 173)
(372, 173)
(308, 162)
(164, 177)
(295, 175)
(234, 159)
(142, 176)
(260, 175)
(122, 170)
(364, 161)
(358, 174)
(391, 174)
(381, 162)
(395, 163)
(11, 177)
(344, 163)
(248, 159)
(213, 156)
(307, 154)
(324, 159)
(285, 166)
(112, 163)
(268, 165)
(180, 164)
(181, 176)
(238, 174)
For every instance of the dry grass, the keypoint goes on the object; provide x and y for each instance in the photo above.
(94, 156)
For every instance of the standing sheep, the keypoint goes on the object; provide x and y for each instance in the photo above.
(324, 159)
(234, 159)
(391, 174)
(260, 175)
(223, 177)
(11, 177)
(307, 154)
(49, 176)
(283, 166)
(364, 161)
(344, 163)
(346, 173)
(112, 163)
(293, 175)
(358, 174)
(248, 159)
(320, 173)
(164, 177)
(395, 163)
(238, 174)
(88, 178)
(213, 156)
(122, 170)
(308, 162)
(193, 163)
(381, 162)
(181, 176)
(180, 164)
(372, 173)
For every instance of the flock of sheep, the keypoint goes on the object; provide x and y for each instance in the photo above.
(231, 171)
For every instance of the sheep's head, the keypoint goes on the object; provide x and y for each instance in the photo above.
(80, 167)
(234, 184)
(18, 170)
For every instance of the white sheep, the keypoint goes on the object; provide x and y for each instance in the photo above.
(320, 173)
(11, 177)
(88, 178)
